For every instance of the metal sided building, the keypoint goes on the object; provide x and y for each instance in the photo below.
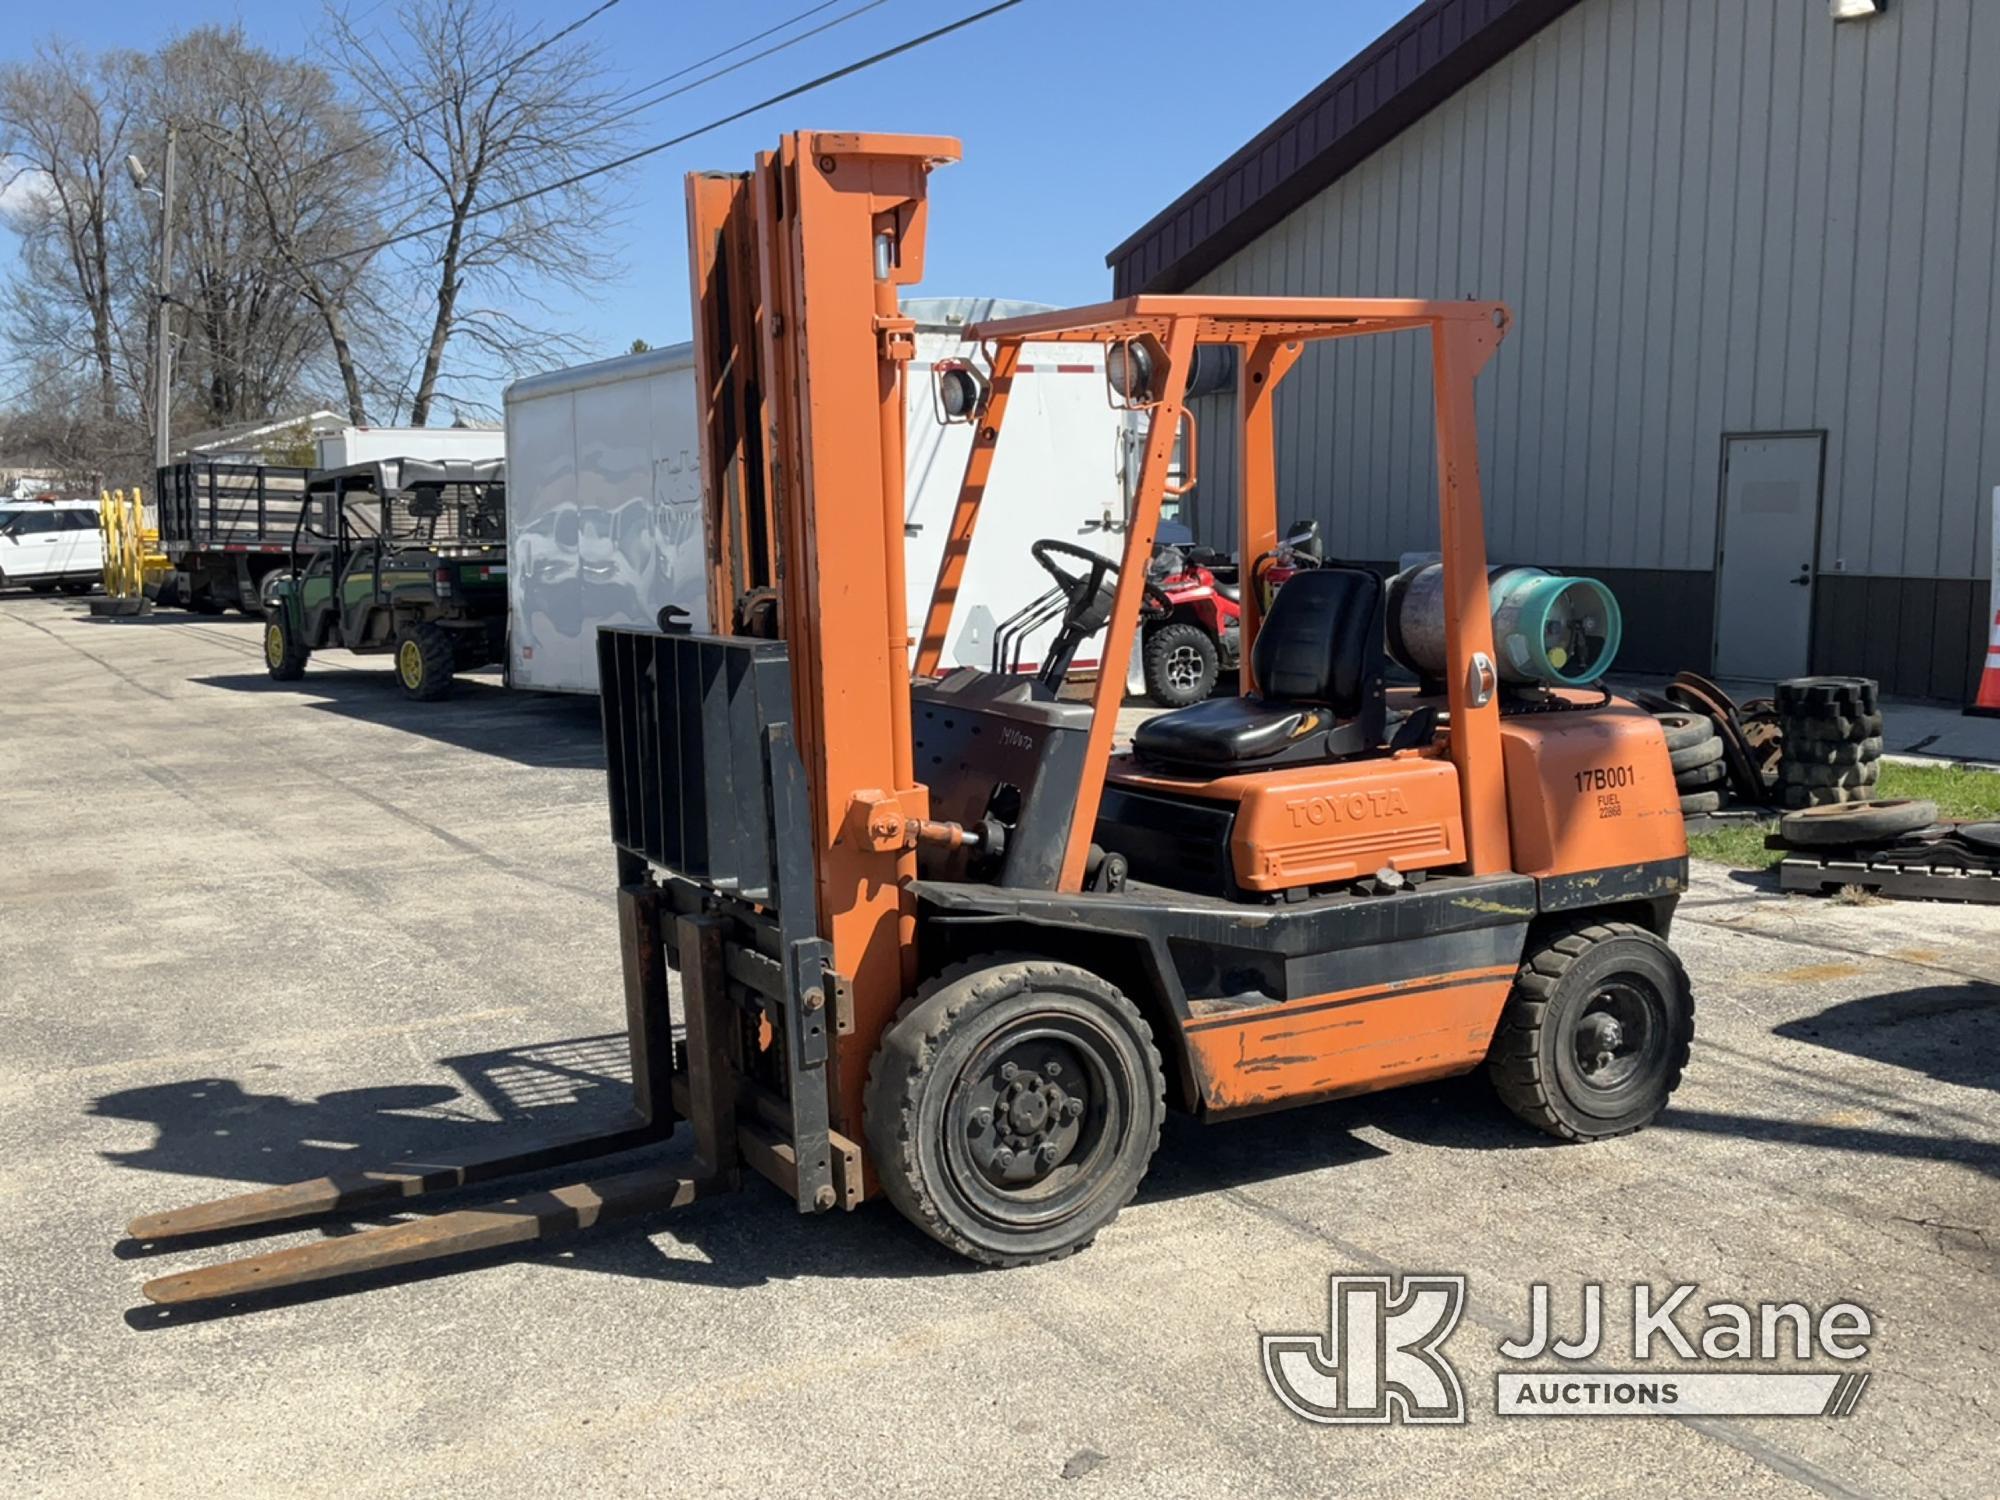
(1750, 246)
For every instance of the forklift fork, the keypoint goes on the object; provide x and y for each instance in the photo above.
(704, 778)
(515, 1220)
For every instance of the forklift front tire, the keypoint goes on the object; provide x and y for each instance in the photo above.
(285, 654)
(1014, 1107)
(1596, 1033)
(425, 660)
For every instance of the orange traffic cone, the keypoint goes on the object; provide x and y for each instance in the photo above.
(1986, 702)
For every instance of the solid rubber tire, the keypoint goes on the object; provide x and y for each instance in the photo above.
(935, 1034)
(1701, 753)
(1701, 778)
(1556, 978)
(1857, 822)
(1685, 730)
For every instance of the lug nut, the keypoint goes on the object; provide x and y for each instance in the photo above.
(981, 1118)
(1052, 1068)
(1071, 1108)
(1047, 1154)
(1003, 1158)
(1008, 1072)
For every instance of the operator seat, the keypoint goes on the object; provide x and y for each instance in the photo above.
(1318, 661)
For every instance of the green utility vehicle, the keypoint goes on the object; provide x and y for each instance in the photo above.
(404, 555)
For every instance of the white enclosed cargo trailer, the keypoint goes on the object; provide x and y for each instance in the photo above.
(603, 510)
(367, 445)
(604, 500)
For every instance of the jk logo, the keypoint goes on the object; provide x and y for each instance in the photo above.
(1378, 1361)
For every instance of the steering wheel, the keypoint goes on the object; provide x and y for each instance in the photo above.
(1083, 588)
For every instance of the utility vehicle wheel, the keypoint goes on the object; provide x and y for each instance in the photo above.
(425, 659)
(1013, 1108)
(1596, 1033)
(285, 654)
(47, 586)
(1182, 664)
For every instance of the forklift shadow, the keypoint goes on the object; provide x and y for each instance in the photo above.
(530, 729)
(213, 1127)
(1454, 1114)
(1950, 1032)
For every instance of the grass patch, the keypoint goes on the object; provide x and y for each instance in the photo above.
(1739, 848)
(1958, 791)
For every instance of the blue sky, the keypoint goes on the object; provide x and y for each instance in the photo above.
(1080, 118)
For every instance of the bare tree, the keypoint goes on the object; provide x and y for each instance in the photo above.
(312, 173)
(275, 171)
(66, 123)
(481, 113)
(252, 340)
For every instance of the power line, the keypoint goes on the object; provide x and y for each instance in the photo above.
(413, 200)
(34, 387)
(740, 63)
(657, 147)
(399, 122)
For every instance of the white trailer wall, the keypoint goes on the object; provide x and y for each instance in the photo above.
(603, 510)
(604, 499)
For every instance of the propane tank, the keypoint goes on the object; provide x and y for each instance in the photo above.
(1547, 629)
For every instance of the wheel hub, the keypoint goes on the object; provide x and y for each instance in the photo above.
(1032, 1124)
(1611, 1036)
(1183, 666)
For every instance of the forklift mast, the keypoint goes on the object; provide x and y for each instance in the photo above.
(800, 355)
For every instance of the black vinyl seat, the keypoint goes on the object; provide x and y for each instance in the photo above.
(1229, 589)
(1318, 661)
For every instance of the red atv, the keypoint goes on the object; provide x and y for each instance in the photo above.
(1193, 630)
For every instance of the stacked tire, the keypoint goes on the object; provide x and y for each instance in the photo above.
(1701, 774)
(1832, 729)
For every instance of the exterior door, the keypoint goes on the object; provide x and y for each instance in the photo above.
(1767, 552)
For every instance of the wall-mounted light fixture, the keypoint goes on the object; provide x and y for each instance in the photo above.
(1856, 10)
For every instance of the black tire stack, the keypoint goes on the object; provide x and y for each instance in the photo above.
(1701, 774)
(1832, 730)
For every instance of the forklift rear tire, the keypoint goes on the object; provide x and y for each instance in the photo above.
(425, 660)
(1596, 1034)
(285, 655)
(1013, 1108)
(1182, 664)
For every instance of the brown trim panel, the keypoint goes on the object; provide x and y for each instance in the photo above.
(1402, 75)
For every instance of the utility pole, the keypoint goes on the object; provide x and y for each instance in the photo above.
(163, 358)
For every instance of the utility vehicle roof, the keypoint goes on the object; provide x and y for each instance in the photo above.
(391, 475)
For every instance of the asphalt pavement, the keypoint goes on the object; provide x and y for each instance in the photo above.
(253, 932)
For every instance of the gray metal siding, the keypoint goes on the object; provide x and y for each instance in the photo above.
(1709, 216)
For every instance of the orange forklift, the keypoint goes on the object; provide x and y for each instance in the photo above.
(938, 937)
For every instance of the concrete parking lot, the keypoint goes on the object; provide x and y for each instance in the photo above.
(252, 932)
